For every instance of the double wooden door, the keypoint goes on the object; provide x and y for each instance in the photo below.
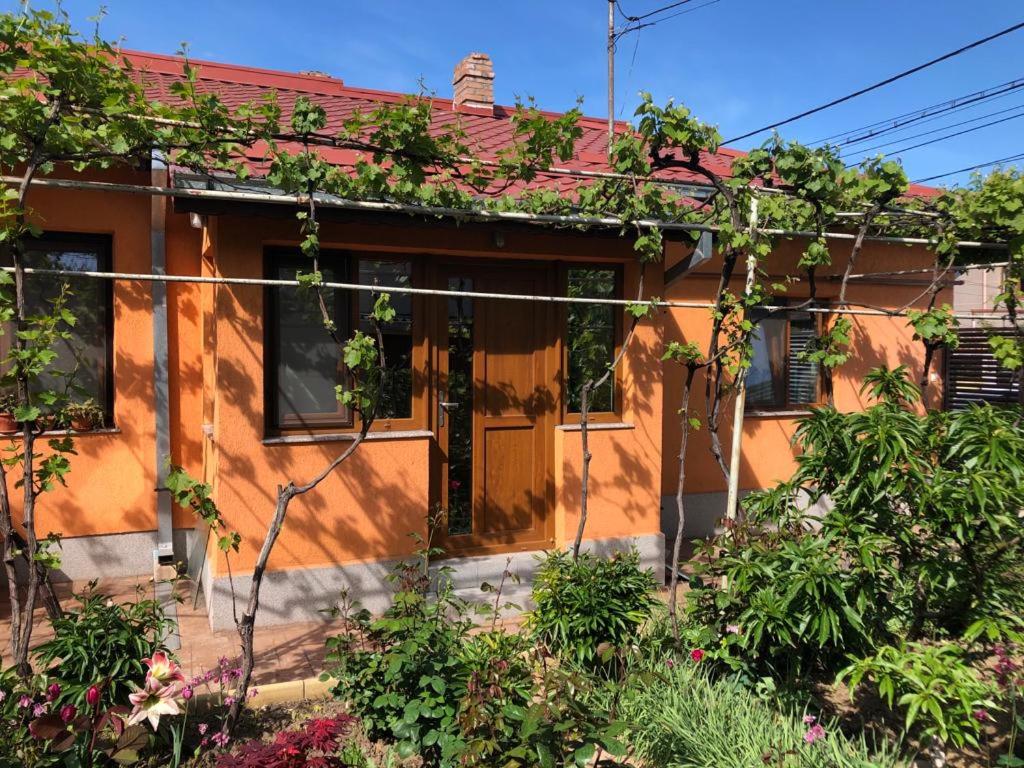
(496, 404)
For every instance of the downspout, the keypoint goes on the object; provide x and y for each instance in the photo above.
(732, 501)
(164, 554)
(701, 255)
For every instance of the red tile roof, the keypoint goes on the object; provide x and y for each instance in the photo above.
(486, 132)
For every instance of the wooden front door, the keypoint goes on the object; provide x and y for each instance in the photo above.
(496, 403)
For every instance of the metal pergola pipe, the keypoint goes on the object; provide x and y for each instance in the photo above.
(402, 289)
(456, 213)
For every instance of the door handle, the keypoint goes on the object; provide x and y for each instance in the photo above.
(443, 406)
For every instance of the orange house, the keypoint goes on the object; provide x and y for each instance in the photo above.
(236, 380)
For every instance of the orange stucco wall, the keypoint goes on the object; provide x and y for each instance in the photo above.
(110, 486)
(766, 454)
(366, 509)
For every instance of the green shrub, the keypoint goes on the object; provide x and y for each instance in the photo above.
(933, 687)
(417, 678)
(583, 606)
(102, 642)
(401, 672)
(920, 539)
(684, 718)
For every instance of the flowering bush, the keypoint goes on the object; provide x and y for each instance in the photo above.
(103, 640)
(316, 745)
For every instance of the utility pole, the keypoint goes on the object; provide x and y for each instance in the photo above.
(611, 76)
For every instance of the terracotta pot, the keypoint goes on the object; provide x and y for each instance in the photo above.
(82, 425)
(8, 426)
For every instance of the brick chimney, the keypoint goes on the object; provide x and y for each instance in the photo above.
(474, 82)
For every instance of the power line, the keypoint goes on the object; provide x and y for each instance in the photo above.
(925, 115)
(643, 25)
(963, 100)
(879, 84)
(953, 135)
(655, 12)
(1000, 161)
(936, 130)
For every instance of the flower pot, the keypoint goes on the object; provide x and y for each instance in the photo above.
(82, 425)
(8, 426)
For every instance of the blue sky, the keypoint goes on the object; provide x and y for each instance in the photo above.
(738, 63)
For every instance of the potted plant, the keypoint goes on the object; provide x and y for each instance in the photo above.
(84, 416)
(8, 402)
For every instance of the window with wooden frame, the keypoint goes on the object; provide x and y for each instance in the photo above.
(304, 364)
(592, 339)
(83, 367)
(778, 379)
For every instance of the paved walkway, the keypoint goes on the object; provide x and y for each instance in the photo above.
(283, 652)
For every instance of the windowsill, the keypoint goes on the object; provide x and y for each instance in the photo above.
(596, 426)
(756, 414)
(341, 437)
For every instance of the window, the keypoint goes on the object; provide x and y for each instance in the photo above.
(778, 379)
(591, 337)
(83, 367)
(304, 363)
(396, 398)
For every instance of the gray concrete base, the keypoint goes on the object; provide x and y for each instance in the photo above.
(303, 594)
(704, 511)
(113, 556)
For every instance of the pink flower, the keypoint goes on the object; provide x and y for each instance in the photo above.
(52, 692)
(153, 701)
(229, 700)
(163, 669)
(3, 695)
(981, 715)
(202, 729)
(39, 710)
(814, 733)
(669, 663)
(220, 739)
(697, 654)
(25, 701)
(253, 692)
(186, 693)
(92, 696)
(732, 629)
(68, 712)
(809, 719)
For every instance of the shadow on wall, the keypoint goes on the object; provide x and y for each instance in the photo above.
(767, 455)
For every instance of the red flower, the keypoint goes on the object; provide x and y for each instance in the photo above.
(92, 696)
(697, 654)
(52, 692)
(68, 712)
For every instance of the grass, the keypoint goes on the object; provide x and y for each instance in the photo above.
(683, 718)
